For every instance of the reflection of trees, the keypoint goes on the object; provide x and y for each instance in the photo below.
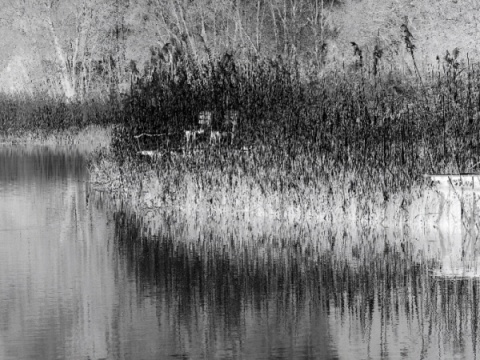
(39, 165)
(56, 282)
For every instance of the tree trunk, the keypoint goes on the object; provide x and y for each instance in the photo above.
(67, 85)
(275, 29)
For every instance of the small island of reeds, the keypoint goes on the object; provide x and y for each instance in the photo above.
(351, 144)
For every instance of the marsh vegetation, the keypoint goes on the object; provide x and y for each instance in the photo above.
(258, 202)
(273, 137)
(353, 142)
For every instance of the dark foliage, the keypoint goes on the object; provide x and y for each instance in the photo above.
(386, 128)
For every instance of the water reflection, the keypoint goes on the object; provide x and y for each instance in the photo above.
(455, 235)
(82, 278)
(56, 277)
(326, 294)
(217, 299)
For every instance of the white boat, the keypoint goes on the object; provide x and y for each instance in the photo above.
(467, 180)
(151, 153)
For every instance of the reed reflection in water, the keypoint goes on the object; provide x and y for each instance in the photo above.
(295, 293)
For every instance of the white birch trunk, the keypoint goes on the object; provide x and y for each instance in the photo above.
(67, 85)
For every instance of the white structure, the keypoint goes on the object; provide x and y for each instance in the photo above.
(455, 227)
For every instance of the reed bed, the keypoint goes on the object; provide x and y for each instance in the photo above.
(351, 144)
(45, 121)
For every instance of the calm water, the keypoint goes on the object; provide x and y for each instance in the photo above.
(81, 278)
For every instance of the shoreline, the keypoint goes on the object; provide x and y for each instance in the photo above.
(149, 192)
(88, 139)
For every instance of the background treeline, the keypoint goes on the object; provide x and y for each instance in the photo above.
(91, 48)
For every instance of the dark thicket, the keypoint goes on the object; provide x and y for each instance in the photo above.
(376, 123)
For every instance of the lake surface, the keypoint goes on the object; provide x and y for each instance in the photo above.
(83, 278)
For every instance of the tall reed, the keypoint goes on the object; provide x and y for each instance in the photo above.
(358, 135)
